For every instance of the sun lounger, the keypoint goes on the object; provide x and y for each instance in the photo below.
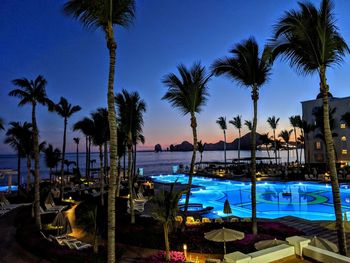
(272, 253)
(212, 260)
(191, 221)
(322, 255)
(234, 219)
(206, 220)
(95, 193)
(247, 219)
(237, 257)
(219, 220)
(59, 208)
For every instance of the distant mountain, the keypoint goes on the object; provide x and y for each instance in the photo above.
(219, 146)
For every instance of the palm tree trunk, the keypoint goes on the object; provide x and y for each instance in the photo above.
(255, 97)
(166, 241)
(112, 120)
(130, 180)
(29, 164)
(239, 146)
(63, 156)
(189, 184)
(86, 156)
(18, 172)
(118, 179)
(106, 158)
(101, 174)
(124, 166)
(36, 169)
(50, 176)
(89, 157)
(78, 156)
(134, 162)
(275, 144)
(296, 143)
(287, 153)
(267, 149)
(331, 164)
(225, 149)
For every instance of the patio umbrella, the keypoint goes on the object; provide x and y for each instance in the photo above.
(227, 207)
(62, 224)
(49, 199)
(269, 243)
(323, 244)
(224, 235)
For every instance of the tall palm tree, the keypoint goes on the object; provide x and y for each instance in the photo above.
(65, 110)
(200, 148)
(33, 92)
(221, 121)
(130, 111)
(121, 153)
(310, 40)
(285, 135)
(307, 129)
(17, 137)
(250, 69)
(76, 141)
(189, 94)
(273, 122)
(99, 137)
(237, 123)
(86, 126)
(52, 158)
(165, 206)
(104, 14)
(265, 139)
(294, 121)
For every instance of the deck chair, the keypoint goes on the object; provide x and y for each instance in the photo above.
(234, 219)
(206, 220)
(178, 219)
(219, 220)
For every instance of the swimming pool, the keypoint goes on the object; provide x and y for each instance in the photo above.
(308, 200)
(6, 188)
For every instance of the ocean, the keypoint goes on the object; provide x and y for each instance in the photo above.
(151, 162)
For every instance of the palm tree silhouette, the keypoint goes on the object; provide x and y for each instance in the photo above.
(33, 92)
(265, 139)
(52, 158)
(237, 123)
(189, 94)
(103, 15)
(249, 69)
(295, 121)
(273, 122)
(285, 135)
(76, 141)
(131, 108)
(2, 124)
(310, 40)
(17, 136)
(221, 121)
(307, 129)
(65, 110)
(249, 125)
(200, 148)
(86, 126)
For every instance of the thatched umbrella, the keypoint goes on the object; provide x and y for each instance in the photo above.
(62, 223)
(224, 235)
(227, 207)
(49, 199)
(323, 244)
(269, 243)
(332, 225)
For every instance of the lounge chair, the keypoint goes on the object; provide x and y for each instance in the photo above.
(247, 219)
(219, 220)
(178, 219)
(50, 207)
(95, 193)
(212, 260)
(234, 219)
(191, 221)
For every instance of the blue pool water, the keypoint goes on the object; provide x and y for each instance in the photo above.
(6, 188)
(308, 200)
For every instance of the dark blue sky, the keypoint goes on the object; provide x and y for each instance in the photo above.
(37, 38)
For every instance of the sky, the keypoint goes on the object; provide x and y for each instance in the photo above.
(37, 38)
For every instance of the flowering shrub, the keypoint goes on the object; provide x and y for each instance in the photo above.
(175, 257)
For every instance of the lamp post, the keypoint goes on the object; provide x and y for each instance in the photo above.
(185, 251)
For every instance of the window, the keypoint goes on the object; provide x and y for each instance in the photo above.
(342, 125)
(343, 138)
(344, 152)
(318, 145)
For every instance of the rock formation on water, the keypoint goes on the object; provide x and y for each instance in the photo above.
(219, 146)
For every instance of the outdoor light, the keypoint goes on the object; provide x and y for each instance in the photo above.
(70, 198)
(185, 250)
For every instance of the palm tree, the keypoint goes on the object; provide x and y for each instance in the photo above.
(285, 135)
(221, 121)
(104, 14)
(99, 137)
(307, 129)
(17, 136)
(249, 125)
(273, 122)
(2, 124)
(130, 111)
(33, 92)
(165, 206)
(52, 158)
(237, 123)
(200, 148)
(65, 110)
(249, 69)
(189, 94)
(86, 126)
(76, 141)
(265, 139)
(294, 121)
(310, 40)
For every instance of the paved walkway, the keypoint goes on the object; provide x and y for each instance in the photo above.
(10, 250)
